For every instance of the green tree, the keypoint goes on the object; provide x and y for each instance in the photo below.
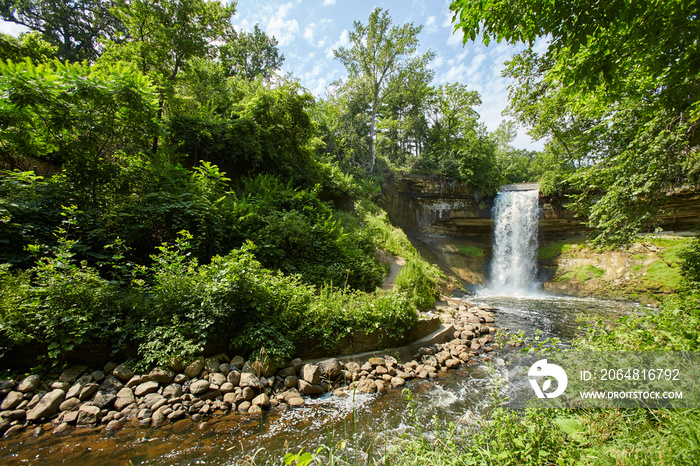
(379, 61)
(78, 116)
(73, 27)
(28, 45)
(403, 125)
(617, 91)
(343, 123)
(165, 35)
(451, 111)
(250, 54)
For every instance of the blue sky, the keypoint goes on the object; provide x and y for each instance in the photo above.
(308, 31)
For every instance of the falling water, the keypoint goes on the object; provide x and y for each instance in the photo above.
(514, 263)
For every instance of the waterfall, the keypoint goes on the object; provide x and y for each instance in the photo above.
(514, 262)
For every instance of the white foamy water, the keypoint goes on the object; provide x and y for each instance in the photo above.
(514, 263)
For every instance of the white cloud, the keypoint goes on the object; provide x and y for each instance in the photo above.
(309, 32)
(343, 41)
(284, 30)
(328, 2)
(431, 25)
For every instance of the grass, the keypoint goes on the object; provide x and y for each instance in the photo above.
(661, 275)
(589, 272)
(472, 251)
(553, 250)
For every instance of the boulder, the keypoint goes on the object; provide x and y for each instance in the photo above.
(173, 390)
(151, 399)
(311, 373)
(255, 410)
(29, 384)
(61, 385)
(7, 383)
(296, 364)
(12, 400)
(62, 429)
(352, 367)
(306, 388)
(261, 400)
(217, 378)
(199, 386)
(397, 382)
(452, 363)
(289, 394)
(89, 415)
(111, 384)
(291, 382)
(331, 368)
(366, 386)
(48, 406)
(88, 391)
(234, 377)
(125, 397)
(244, 406)
(250, 380)
(113, 425)
(158, 419)
(248, 394)
(238, 362)
(146, 388)
(15, 415)
(376, 361)
(70, 375)
(212, 365)
(69, 405)
(103, 400)
(162, 375)
(296, 402)
(194, 369)
(13, 430)
(123, 372)
(226, 387)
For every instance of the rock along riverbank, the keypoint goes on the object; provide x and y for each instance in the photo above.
(115, 397)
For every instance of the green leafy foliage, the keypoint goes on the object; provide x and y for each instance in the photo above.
(616, 93)
(28, 45)
(250, 54)
(416, 280)
(73, 28)
(75, 116)
(380, 60)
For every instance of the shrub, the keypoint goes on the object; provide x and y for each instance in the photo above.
(415, 279)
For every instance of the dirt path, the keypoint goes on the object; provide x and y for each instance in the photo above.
(395, 266)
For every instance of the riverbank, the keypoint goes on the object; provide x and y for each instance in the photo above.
(645, 271)
(114, 397)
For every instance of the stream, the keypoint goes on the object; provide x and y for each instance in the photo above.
(368, 423)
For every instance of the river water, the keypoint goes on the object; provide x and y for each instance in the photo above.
(369, 423)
